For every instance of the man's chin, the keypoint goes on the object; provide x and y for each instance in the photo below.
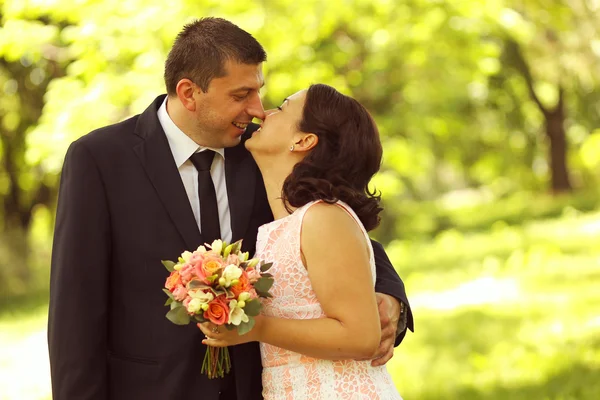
(233, 141)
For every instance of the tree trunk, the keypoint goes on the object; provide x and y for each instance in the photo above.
(554, 122)
(557, 147)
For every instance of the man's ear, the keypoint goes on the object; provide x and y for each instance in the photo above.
(186, 93)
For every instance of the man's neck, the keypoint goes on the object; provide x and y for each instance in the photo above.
(178, 115)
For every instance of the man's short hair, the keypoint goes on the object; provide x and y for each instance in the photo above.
(204, 46)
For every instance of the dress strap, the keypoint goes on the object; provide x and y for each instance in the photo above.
(300, 212)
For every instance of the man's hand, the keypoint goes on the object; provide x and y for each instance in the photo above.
(389, 314)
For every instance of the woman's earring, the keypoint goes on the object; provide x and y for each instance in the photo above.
(292, 148)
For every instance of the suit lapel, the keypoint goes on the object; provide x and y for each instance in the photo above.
(155, 155)
(240, 175)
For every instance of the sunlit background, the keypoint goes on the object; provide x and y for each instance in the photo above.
(489, 111)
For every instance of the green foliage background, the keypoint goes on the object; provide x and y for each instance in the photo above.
(490, 116)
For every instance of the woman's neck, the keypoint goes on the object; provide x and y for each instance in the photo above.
(273, 179)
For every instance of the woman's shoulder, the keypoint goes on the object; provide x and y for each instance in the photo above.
(326, 218)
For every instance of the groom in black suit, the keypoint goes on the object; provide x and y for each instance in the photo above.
(146, 189)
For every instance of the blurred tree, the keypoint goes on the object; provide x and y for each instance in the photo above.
(29, 62)
(461, 91)
(554, 49)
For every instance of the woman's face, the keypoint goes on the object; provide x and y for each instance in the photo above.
(279, 129)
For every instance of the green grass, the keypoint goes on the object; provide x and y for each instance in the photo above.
(508, 313)
(513, 313)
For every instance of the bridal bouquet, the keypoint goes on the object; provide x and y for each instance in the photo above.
(217, 283)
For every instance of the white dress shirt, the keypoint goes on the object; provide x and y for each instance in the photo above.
(182, 147)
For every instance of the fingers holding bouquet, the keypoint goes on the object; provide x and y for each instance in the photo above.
(214, 336)
(217, 287)
(221, 336)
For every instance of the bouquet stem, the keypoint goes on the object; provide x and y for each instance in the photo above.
(216, 362)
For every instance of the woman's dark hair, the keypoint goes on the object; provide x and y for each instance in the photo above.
(345, 158)
(202, 48)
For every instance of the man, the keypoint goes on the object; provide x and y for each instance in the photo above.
(142, 191)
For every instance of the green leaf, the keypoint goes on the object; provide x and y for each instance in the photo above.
(169, 301)
(179, 316)
(263, 284)
(253, 307)
(265, 267)
(264, 294)
(199, 318)
(169, 265)
(176, 304)
(246, 327)
(266, 275)
(168, 293)
(197, 284)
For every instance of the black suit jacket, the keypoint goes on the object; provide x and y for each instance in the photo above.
(122, 209)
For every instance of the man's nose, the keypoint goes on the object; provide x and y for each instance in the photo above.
(255, 108)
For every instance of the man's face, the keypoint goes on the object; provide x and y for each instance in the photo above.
(229, 105)
(279, 128)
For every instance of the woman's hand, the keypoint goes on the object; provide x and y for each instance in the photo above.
(219, 336)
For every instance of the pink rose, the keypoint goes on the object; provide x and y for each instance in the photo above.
(253, 294)
(180, 293)
(187, 273)
(218, 311)
(233, 259)
(196, 256)
(186, 302)
(200, 272)
(253, 275)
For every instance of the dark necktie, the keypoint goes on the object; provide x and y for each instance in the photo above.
(209, 212)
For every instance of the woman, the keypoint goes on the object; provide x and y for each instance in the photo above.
(317, 154)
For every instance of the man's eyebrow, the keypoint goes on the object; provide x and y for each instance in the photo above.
(246, 88)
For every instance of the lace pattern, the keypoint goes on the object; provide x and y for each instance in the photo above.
(290, 375)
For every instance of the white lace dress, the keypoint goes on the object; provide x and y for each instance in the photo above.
(288, 375)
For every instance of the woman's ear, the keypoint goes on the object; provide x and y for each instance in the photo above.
(185, 93)
(305, 141)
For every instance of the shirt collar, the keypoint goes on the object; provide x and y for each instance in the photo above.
(182, 146)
